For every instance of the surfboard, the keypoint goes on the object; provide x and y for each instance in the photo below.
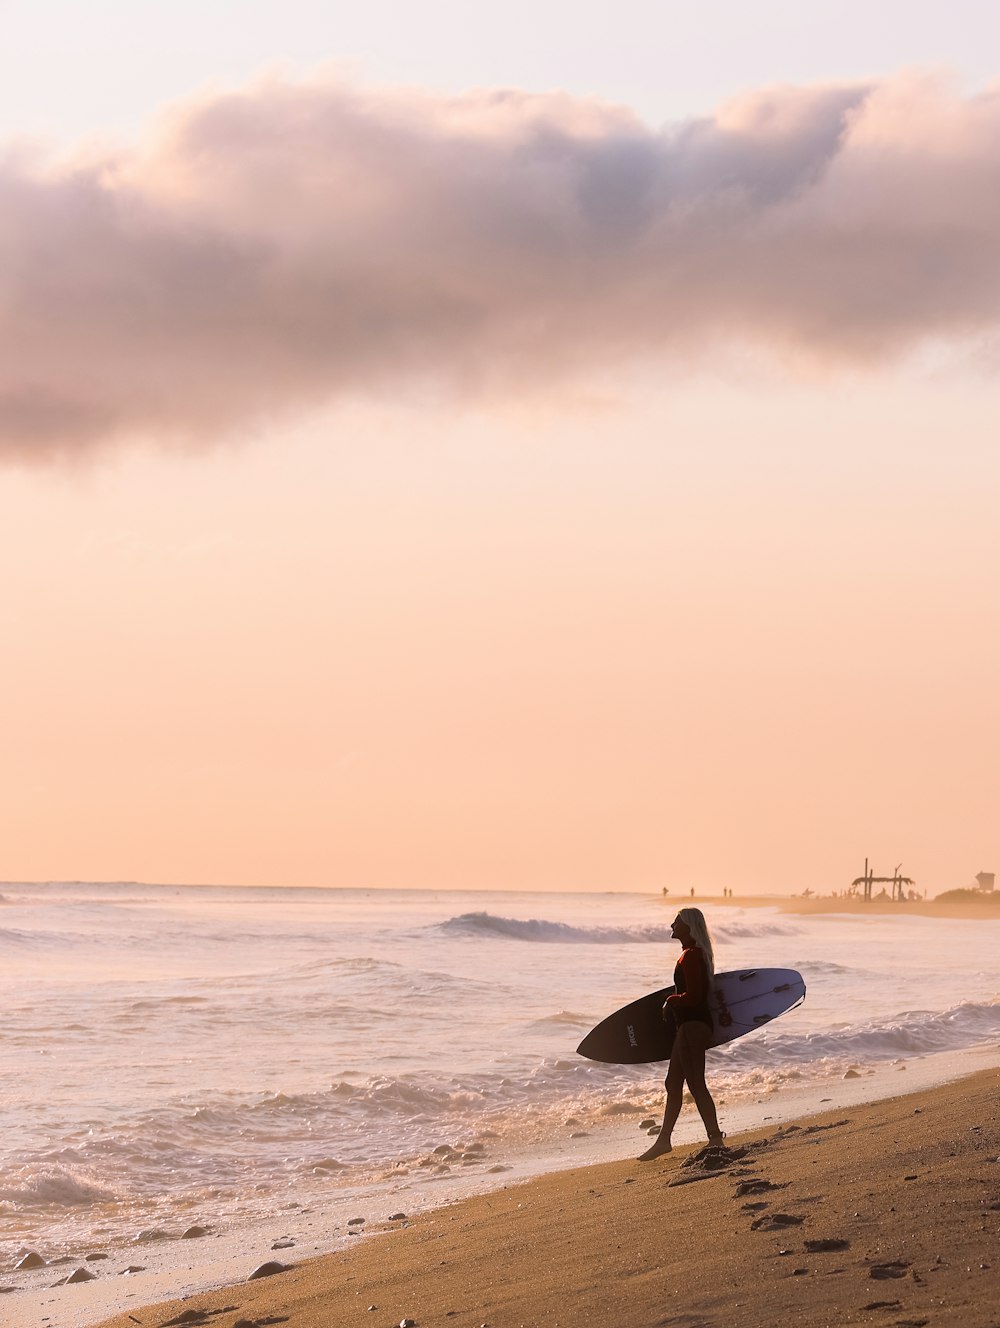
(740, 1001)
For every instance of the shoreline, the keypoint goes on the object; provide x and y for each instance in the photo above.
(817, 905)
(481, 1143)
(975, 904)
(887, 1212)
(219, 1269)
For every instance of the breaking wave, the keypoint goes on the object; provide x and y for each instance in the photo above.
(50, 1188)
(911, 1033)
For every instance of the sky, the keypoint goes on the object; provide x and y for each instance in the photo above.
(554, 454)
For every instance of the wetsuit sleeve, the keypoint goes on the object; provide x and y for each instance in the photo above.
(695, 980)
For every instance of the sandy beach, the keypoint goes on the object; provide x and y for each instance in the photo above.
(886, 1213)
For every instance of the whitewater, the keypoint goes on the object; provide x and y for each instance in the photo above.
(225, 1055)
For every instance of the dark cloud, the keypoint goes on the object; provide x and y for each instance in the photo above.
(273, 250)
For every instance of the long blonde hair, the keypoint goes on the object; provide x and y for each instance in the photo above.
(694, 920)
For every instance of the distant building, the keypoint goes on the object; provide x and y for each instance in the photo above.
(986, 880)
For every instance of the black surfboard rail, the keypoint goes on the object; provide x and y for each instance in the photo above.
(740, 1001)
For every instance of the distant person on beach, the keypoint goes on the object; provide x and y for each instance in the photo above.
(688, 1008)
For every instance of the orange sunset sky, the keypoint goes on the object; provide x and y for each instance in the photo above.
(405, 482)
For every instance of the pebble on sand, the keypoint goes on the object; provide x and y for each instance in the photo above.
(30, 1260)
(82, 1275)
(852, 1074)
(194, 1233)
(268, 1270)
(355, 1221)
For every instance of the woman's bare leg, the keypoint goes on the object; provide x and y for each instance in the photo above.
(697, 1038)
(672, 1109)
(687, 1065)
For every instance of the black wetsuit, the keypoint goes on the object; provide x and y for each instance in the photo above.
(690, 998)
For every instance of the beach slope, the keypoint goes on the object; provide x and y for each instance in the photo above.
(885, 1214)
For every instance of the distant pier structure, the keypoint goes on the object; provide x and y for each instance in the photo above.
(899, 884)
(986, 881)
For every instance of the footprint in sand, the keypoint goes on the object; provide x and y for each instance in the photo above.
(774, 1221)
(834, 1125)
(194, 1318)
(881, 1272)
(755, 1186)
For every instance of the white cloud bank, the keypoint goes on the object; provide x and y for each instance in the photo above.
(273, 249)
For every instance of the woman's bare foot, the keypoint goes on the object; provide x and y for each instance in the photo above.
(657, 1150)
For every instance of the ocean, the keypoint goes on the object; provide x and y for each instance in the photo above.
(180, 1054)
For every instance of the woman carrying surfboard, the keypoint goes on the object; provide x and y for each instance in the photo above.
(688, 1008)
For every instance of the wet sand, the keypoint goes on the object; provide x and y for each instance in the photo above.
(887, 1213)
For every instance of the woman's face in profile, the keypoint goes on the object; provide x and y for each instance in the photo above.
(680, 931)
